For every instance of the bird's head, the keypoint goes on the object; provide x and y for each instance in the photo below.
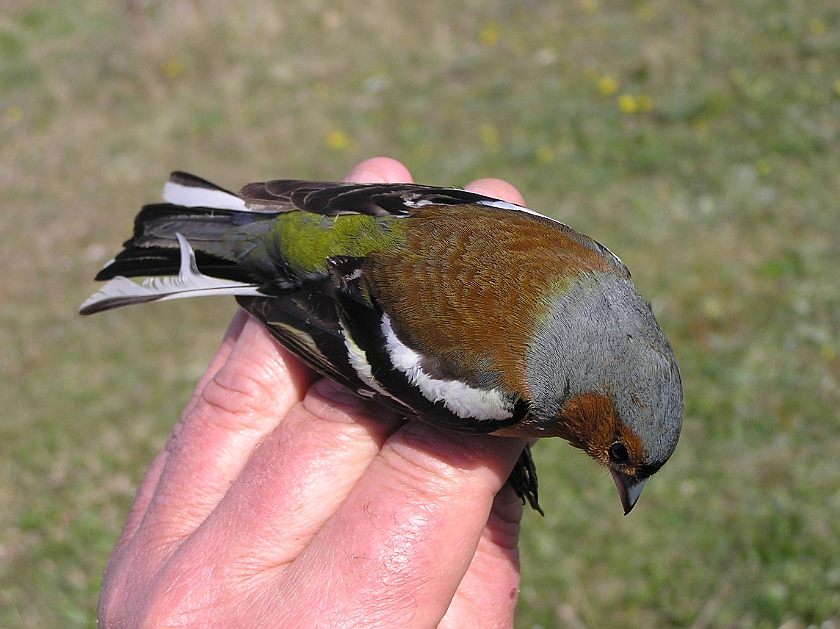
(602, 375)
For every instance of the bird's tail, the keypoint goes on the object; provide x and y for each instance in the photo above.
(184, 248)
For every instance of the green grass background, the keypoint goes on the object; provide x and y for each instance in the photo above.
(699, 140)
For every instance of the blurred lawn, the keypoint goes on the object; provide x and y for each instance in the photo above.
(699, 140)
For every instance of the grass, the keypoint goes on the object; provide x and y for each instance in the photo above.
(699, 141)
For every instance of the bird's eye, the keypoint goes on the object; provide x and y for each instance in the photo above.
(619, 454)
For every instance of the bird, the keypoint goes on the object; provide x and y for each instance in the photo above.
(457, 309)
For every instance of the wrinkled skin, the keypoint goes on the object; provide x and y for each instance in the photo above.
(281, 500)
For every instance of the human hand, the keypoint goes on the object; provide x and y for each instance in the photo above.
(281, 500)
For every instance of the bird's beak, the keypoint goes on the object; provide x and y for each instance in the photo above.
(629, 489)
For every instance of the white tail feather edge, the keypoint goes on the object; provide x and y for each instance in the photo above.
(190, 282)
(193, 196)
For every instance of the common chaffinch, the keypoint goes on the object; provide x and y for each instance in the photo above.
(460, 310)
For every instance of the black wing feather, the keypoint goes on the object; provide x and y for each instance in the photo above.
(334, 198)
(192, 181)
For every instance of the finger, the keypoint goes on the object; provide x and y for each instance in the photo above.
(406, 534)
(497, 189)
(220, 357)
(487, 594)
(293, 483)
(243, 402)
(135, 515)
(150, 480)
(379, 170)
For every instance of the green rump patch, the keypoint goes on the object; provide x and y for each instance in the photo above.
(305, 240)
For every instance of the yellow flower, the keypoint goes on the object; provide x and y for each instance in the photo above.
(762, 166)
(13, 114)
(490, 137)
(545, 154)
(607, 85)
(712, 307)
(337, 140)
(738, 77)
(816, 26)
(628, 103)
(646, 12)
(172, 68)
(489, 35)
